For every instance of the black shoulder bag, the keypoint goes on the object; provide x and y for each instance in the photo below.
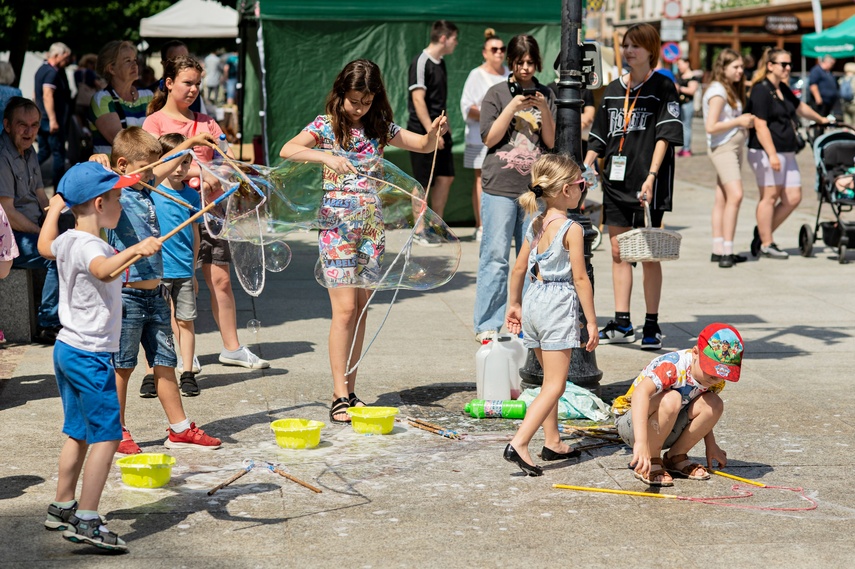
(800, 141)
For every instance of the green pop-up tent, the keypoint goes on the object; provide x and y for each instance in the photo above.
(838, 42)
(305, 44)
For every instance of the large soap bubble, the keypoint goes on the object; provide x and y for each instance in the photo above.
(367, 224)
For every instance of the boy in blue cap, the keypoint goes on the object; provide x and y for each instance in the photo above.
(90, 310)
(674, 403)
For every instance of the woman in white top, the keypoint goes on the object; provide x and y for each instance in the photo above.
(480, 79)
(726, 127)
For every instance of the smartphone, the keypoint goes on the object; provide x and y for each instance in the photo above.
(530, 92)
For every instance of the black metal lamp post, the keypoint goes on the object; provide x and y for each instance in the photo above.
(568, 140)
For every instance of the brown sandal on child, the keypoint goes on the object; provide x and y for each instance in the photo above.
(654, 472)
(687, 471)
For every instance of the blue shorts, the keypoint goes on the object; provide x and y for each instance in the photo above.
(146, 320)
(87, 386)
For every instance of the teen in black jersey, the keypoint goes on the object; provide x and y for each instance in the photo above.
(634, 131)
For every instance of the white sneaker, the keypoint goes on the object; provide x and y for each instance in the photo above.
(244, 358)
(197, 367)
(485, 335)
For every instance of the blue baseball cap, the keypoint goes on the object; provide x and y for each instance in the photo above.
(88, 180)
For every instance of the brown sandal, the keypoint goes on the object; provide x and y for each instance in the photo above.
(671, 463)
(654, 472)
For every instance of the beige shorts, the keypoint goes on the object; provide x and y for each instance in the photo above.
(183, 298)
(727, 158)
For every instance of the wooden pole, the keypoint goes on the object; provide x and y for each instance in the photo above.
(281, 472)
(229, 481)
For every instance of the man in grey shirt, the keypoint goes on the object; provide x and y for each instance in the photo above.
(23, 197)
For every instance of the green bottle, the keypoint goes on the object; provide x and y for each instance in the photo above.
(480, 408)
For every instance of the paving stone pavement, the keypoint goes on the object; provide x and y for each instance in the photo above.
(413, 499)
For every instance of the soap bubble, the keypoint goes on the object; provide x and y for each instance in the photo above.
(277, 256)
(370, 223)
(253, 326)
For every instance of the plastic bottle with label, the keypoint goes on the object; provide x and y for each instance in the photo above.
(482, 409)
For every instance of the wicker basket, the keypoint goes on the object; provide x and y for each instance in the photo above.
(649, 243)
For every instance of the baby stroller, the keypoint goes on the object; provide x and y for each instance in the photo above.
(834, 154)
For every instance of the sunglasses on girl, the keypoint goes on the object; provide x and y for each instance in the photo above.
(783, 63)
(495, 49)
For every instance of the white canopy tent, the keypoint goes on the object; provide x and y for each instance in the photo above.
(192, 19)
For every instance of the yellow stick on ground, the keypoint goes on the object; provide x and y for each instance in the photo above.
(732, 477)
(610, 491)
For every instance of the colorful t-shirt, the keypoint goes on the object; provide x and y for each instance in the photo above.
(137, 223)
(160, 123)
(102, 104)
(668, 371)
(178, 249)
(366, 148)
(8, 246)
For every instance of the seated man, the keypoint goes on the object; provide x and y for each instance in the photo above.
(23, 197)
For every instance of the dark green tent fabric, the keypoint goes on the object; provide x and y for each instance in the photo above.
(497, 11)
(838, 42)
(301, 57)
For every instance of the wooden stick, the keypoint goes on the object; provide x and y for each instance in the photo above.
(187, 222)
(440, 432)
(610, 491)
(229, 481)
(732, 477)
(159, 162)
(597, 445)
(234, 165)
(167, 196)
(281, 472)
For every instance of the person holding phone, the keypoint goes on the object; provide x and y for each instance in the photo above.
(517, 126)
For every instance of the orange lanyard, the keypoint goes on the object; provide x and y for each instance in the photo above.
(628, 114)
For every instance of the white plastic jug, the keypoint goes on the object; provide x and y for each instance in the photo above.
(497, 365)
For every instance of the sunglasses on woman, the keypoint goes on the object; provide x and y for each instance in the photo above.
(783, 63)
(495, 49)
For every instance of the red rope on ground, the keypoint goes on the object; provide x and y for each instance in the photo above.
(745, 493)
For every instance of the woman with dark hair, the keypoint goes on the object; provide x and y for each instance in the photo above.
(517, 126)
(726, 127)
(635, 131)
(480, 79)
(120, 104)
(772, 147)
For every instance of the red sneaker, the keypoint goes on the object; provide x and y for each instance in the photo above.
(193, 437)
(128, 446)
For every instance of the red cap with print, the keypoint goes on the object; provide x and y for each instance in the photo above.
(720, 350)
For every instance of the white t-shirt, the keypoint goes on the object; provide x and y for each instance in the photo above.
(728, 113)
(476, 86)
(90, 310)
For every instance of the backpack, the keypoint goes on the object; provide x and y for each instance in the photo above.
(846, 89)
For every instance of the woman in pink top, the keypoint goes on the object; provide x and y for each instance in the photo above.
(168, 112)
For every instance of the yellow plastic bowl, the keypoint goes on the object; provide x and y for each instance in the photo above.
(297, 433)
(147, 470)
(372, 420)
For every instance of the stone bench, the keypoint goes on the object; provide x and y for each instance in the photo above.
(17, 309)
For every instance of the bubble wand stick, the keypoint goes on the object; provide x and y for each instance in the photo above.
(159, 162)
(178, 229)
(243, 472)
(167, 196)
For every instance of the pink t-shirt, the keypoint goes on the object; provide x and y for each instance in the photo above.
(8, 247)
(160, 123)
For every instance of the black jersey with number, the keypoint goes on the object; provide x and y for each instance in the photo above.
(656, 116)
(429, 74)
